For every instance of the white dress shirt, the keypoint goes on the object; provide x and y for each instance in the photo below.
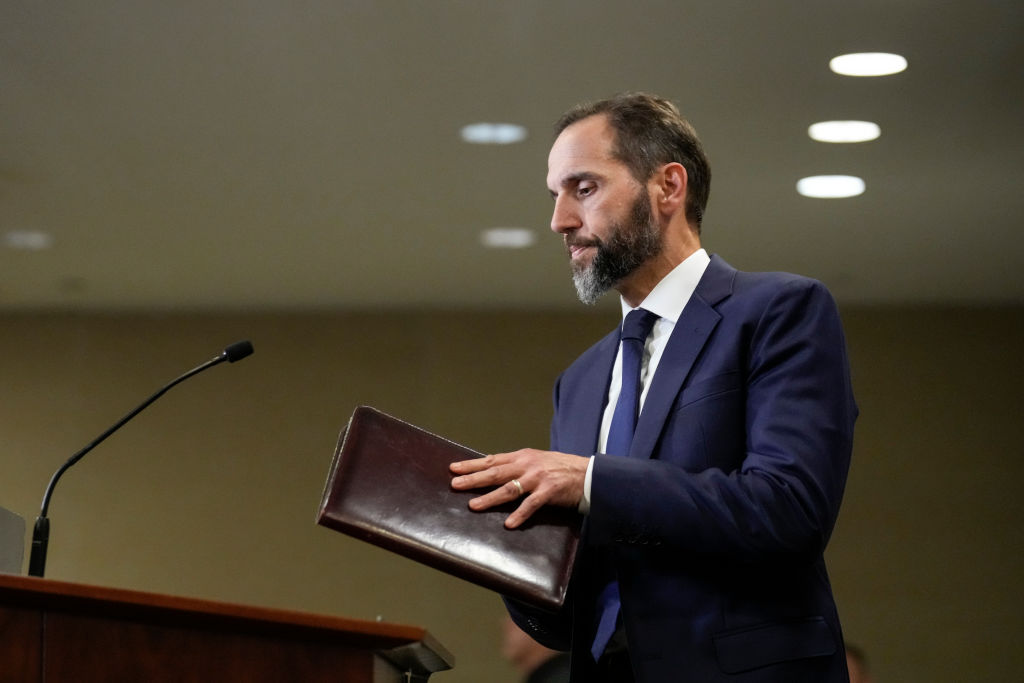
(667, 300)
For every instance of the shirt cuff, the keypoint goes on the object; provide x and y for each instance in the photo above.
(584, 505)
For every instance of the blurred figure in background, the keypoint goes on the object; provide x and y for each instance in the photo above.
(857, 663)
(536, 663)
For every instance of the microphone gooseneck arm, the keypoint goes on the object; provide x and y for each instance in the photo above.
(41, 531)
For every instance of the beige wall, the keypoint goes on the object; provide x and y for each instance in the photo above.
(212, 492)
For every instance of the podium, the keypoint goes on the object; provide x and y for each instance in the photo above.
(52, 631)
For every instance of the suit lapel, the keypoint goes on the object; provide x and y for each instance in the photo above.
(692, 331)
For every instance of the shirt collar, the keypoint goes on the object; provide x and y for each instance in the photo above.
(669, 297)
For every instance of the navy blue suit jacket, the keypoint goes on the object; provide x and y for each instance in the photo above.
(716, 523)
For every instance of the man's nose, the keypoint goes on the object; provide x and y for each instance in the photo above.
(565, 217)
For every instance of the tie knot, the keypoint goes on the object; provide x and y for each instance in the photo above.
(638, 324)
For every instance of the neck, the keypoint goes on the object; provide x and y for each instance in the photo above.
(635, 288)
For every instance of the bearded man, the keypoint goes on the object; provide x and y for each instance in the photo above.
(706, 440)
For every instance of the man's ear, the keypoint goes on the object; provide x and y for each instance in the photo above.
(670, 193)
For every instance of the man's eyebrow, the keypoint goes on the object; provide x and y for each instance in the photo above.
(575, 179)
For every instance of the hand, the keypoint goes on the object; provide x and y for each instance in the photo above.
(546, 477)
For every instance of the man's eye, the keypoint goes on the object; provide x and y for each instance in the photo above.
(585, 190)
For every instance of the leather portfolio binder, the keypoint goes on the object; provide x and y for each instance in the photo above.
(389, 484)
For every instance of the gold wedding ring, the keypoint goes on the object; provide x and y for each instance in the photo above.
(519, 487)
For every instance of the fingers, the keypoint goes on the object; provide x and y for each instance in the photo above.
(544, 478)
(499, 470)
(488, 462)
(530, 505)
(481, 472)
(473, 465)
(506, 493)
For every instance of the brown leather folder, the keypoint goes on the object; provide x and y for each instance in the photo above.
(390, 485)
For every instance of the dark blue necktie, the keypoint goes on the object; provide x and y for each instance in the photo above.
(635, 328)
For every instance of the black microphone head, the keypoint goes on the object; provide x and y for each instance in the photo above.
(238, 351)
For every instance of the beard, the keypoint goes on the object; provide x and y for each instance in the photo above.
(630, 243)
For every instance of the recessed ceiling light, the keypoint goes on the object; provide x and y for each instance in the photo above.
(844, 131)
(28, 240)
(830, 186)
(493, 133)
(507, 238)
(868, 64)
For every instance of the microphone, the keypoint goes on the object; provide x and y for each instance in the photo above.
(41, 531)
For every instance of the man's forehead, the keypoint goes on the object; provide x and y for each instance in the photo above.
(589, 138)
(583, 148)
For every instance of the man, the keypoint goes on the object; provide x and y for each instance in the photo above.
(701, 551)
(857, 663)
(536, 663)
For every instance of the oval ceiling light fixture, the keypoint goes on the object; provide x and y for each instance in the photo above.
(493, 133)
(507, 238)
(844, 131)
(868, 64)
(830, 186)
(28, 240)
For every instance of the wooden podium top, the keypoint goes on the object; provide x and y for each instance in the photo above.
(409, 648)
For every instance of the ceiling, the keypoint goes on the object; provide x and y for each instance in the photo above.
(264, 154)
